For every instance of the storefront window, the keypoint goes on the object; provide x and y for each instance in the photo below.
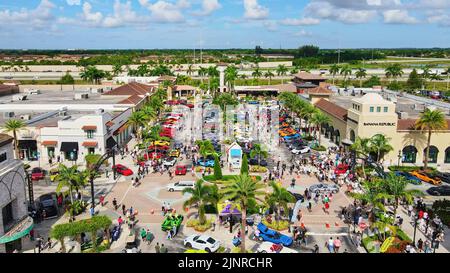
(378, 109)
(409, 154)
(447, 155)
(91, 151)
(51, 152)
(385, 109)
(371, 109)
(433, 154)
(352, 136)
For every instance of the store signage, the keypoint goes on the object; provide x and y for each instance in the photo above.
(379, 124)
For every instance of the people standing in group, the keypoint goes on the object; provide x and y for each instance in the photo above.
(330, 245)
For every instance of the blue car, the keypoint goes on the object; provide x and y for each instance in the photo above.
(273, 236)
(411, 178)
(207, 163)
(292, 136)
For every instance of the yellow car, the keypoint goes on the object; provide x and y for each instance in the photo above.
(174, 153)
(160, 143)
(422, 176)
(53, 174)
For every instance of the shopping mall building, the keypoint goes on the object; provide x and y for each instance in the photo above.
(372, 114)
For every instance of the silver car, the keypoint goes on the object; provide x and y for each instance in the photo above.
(324, 188)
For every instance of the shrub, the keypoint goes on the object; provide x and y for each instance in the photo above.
(92, 159)
(369, 243)
(195, 223)
(403, 236)
(244, 167)
(277, 225)
(217, 169)
(442, 208)
(319, 148)
(258, 169)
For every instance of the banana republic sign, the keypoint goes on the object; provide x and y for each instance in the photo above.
(379, 124)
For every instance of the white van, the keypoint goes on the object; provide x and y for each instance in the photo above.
(180, 186)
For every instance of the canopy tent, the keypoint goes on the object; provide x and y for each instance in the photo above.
(27, 144)
(226, 209)
(20, 230)
(69, 147)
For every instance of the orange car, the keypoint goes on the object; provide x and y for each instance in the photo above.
(423, 176)
(287, 132)
(285, 124)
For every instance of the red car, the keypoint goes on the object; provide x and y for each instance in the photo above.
(37, 174)
(172, 102)
(153, 155)
(341, 169)
(166, 134)
(180, 170)
(121, 169)
(191, 106)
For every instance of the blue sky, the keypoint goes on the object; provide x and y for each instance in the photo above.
(96, 24)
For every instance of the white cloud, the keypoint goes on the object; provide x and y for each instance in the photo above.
(254, 11)
(397, 16)
(303, 33)
(38, 18)
(208, 7)
(123, 15)
(94, 18)
(73, 2)
(439, 17)
(271, 25)
(306, 21)
(166, 12)
(326, 10)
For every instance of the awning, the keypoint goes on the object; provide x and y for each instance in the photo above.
(111, 143)
(69, 147)
(347, 142)
(20, 230)
(90, 144)
(49, 143)
(89, 128)
(27, 144)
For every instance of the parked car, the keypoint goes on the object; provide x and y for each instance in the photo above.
(444, 177)
(160, 143)
(202, 242)
(254, 161)
(47, 202)
(267, 247)
(411, 178)
(53, 174)
(341, 169)
(180, 170)
(153, 155)
(292, 136)
(121, 169)
(268, 235)
(324, 188)
(37, 174)
(170, 161)
(180, 186)
(425, 178)
(178, 145)
(206, 163)
(301, 150)
(158, 148)
(174, 153)
(439, 191)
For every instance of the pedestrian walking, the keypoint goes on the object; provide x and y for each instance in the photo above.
(114, 202)
(337, 244)
(124, 211)
(157, 248)
(330, 245)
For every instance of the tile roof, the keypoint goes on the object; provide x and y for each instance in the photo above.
(132, 100)
(409, 124)
(318, 90)
(332, 109)
(184, 88)
(90, 144)
(49, 143)
(89, 128)
(131, 89)
(308, 76)
(5, 139)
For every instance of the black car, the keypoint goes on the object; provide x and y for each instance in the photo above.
(445, 177)
(47, 202)
(254, 161)
(298, 196)
(439, 191)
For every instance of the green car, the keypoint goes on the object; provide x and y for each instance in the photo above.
(172, 221)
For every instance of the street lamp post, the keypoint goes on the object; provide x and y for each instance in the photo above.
(109, 153)
(415, 229)
(399, 158)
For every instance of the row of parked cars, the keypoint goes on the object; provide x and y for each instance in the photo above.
(292, 138)
(434, 178)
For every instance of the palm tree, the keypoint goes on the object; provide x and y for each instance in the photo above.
(430, 121)
(138, 120)
(69, 177)
(205, 148)
(279, 198)
(190, 69)
(425, 74)
(282, 71)
(117, 69)
(202, 72)
(334, 70)
(14, 126)
(395, 187)
(269, 75)
(360, 74)
(372, 196)
(346, 71)
(319, 119)
(231, 74)
(447, 71)
(434, 78)
(242, 190)
(394, 71)
(379, 143)
(306, 113)
(362, 149)
(256, 74)
(149, 112)
(257, 150)
(201, 194)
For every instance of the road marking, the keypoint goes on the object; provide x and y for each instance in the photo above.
(125, 195)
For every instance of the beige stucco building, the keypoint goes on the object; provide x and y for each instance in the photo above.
(370, 115)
